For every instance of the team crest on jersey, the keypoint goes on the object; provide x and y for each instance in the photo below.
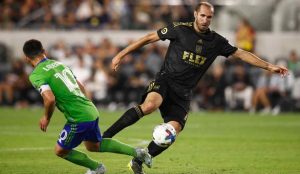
(199, 46)
(164, 30)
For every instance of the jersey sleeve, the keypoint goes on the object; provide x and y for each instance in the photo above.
(37, 81)
(226, 48)
(167, 32)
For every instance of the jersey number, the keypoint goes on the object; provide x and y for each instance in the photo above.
(67, 77)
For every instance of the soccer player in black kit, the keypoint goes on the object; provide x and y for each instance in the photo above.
(193, 48)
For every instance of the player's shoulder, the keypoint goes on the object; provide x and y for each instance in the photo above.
(217, 35)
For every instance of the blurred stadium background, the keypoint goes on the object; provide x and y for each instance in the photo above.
(86, 34)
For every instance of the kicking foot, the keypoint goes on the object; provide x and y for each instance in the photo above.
(100, 170)
(144, 156)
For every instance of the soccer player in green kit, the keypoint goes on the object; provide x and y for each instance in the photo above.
(58, 86)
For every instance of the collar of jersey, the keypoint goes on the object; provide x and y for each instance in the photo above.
(43, 60)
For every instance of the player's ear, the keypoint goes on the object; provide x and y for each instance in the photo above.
(195, 14)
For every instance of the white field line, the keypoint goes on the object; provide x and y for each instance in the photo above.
(16, 149)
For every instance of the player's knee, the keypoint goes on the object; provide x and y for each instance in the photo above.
(60, 153)
(92, 149)
(177, 126)
(148, 107)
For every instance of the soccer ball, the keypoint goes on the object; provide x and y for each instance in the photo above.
(164, 135)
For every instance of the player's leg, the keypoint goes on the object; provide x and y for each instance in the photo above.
(151, 103)
(94, 143)
(174, 113)
(76, 157)
(71, 136)
(115, 146)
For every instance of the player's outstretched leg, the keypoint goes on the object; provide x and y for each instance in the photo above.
(111, 145)
(154, 149)
(130, 117)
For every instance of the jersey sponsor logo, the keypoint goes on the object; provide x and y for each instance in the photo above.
(193, 59)
(63, 135)
(164, 30)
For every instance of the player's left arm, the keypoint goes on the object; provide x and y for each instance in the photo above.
(81, 87)
(49, 106)
(256, 61)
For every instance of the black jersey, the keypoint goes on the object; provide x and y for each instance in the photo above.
(190, 54)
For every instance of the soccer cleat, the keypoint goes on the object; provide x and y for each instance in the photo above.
(135, 167)
(100, 170)
(144, 156)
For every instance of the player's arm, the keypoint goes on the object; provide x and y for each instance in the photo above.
(256, 61)
(81, 87)
(149, 38)
(49, 106)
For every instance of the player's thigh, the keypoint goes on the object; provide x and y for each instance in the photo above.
(93, 137)
(70, 137)
(175, 113)
(73, 134)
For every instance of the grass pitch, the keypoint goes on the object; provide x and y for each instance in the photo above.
(212, 143)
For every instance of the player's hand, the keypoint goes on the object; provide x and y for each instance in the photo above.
(44, 123)
(115, 63)
(283, 71)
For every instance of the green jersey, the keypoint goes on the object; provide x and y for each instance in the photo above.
(69, 98)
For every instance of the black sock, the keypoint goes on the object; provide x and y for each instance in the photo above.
(128, 118)
(154, 150)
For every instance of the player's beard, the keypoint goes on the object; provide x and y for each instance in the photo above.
(201, 28)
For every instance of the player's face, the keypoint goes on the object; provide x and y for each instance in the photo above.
(203, 18)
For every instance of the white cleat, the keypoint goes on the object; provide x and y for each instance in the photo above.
(100, 170)
(144, 156)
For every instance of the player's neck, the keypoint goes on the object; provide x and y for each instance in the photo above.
(37, 60)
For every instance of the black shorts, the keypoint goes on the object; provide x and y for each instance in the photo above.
(173, 107)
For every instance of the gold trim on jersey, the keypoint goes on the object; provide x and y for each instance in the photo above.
(188, 24)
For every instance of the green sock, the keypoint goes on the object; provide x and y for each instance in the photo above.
(115, 146)
(81, 159)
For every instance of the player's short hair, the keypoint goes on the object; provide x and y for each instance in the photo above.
(207, 4)
(33, 48)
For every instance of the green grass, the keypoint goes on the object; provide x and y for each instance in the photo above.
(212, 143)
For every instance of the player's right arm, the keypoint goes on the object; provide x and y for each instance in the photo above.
(149, 38)
(49, 106)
